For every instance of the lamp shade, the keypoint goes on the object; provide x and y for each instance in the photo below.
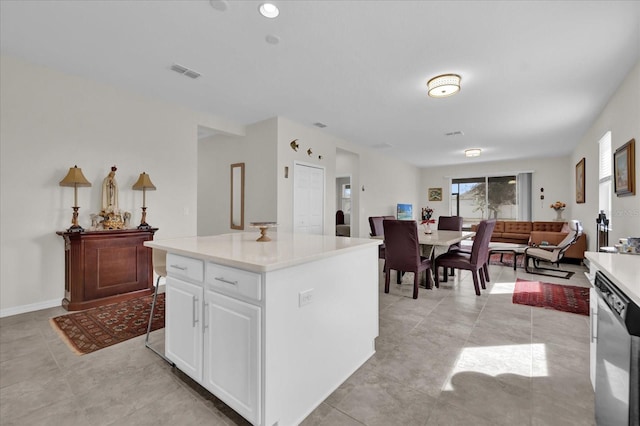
(75, 178)
(444, 85)
(144, 182)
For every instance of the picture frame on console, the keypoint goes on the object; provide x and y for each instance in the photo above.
(580, 170)
(624, 169)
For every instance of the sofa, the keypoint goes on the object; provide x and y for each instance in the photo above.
(535, 233)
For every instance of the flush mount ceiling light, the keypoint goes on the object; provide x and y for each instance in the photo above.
(269, 10)
(444, 85)
(473, 152)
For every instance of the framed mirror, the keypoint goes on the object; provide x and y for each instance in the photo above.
(237, 196)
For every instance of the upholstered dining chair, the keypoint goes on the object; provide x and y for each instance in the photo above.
(474, 261)
(552, 254)
(159, 259)
(403, 252)
(450, 223)
(377, 230)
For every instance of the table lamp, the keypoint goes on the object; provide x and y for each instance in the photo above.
(75, 178)
(144, 184)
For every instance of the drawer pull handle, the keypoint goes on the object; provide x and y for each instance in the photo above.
(182, 268)
(195, 314)
(226, 281)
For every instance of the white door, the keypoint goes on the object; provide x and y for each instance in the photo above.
(232, 353)
(184, 326)
(308, 199)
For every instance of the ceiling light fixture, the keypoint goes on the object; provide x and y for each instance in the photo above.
(269, 10)
(444, 85)
(473, 152)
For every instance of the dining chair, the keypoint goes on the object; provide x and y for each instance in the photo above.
(377, 230)
(552, 254)
(403, 252)
(450, 223)
(474, 261)
(159, 259)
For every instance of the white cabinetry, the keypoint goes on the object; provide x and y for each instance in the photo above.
(183, 334)
(212, 337)
(273, 328)
(232, 353)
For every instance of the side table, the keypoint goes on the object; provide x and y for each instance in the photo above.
(104, 267)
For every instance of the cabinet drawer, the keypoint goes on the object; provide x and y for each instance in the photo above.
(186, 267)
(234, 281)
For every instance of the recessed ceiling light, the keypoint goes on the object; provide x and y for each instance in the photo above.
(269, 10)
(473, 152)
(444, 85)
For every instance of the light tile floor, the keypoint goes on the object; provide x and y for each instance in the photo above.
(447, 358)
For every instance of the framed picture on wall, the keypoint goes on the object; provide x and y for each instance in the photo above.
(624, 173)
(580, 181)
(435, 194)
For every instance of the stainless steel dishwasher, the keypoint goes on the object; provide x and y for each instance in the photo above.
(617, 360)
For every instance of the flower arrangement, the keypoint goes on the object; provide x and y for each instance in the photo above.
(558, 205)
(427, 212)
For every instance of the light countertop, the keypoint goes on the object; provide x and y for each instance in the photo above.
(241, 250)
(622, 269)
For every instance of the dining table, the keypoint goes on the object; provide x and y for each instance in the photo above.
(437, 241)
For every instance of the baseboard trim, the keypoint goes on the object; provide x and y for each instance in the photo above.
(7, 312)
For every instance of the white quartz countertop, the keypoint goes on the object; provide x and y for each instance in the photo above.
(241, 250)
(622, 269)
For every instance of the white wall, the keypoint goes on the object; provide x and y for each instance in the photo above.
(386, 181)
(215, 155)
(51, 121)
(548, 173)
(622, 117)
(321, 144)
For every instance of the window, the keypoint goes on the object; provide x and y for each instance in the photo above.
(494, 197)
(605, 175)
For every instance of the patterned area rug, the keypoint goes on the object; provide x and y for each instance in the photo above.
(564, 298)
(505, 259)
(97, 328)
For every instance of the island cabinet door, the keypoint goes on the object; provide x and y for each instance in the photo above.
(232, 353)
(183, 338)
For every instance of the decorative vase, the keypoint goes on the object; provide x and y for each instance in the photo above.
(559, 217)
(427, 228)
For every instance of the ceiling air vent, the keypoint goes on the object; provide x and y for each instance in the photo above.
(456, 133)
(185, 71)
(321, 125)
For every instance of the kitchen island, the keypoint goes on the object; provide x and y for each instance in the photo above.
(270, 328)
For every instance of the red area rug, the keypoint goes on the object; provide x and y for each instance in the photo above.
(505, 259)
(564, 298)
(97, 328)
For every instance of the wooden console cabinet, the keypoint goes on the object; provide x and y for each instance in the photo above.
(103, 267)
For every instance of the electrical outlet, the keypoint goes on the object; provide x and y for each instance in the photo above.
(305, 297)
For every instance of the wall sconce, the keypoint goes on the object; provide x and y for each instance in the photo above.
(75, 178)
(144, 184)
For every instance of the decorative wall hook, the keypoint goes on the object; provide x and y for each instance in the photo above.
(294, 145)
(309, 152)
(319, 157)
